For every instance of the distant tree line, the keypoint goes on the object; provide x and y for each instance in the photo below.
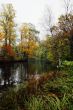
(57, 47)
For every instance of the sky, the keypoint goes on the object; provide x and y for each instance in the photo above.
(33, 11)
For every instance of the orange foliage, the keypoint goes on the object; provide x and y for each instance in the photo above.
(9, 50)
(28, 47)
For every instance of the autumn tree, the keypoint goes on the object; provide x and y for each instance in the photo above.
(1, 36)
(56, 42)
(1, 40)
(66, 25)
(61, 41)
(7, 23)
(52, 38)
(60, 44)
(29, 39)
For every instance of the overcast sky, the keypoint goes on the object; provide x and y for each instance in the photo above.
(32, 11)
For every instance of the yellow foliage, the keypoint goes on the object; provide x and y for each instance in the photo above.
(28, 39)
(1, 36)
(28, 47)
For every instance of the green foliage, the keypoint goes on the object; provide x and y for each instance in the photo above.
(41, 52)
(68, 63)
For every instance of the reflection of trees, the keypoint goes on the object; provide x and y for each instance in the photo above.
(36, 67)
(13, 73)
(7, 71)
(23, 71)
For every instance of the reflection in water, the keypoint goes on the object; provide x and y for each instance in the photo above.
(13, 73)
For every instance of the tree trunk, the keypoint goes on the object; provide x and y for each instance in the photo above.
(9, 41)
(6, 41)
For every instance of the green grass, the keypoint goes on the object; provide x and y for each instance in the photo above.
(54, 94)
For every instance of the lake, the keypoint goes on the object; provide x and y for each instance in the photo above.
(14, 73)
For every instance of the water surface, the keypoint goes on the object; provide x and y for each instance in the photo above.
(13, 73)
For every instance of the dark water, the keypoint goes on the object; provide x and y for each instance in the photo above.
(13, 73)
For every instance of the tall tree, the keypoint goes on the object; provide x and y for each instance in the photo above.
(66, 24)
(7, 16)
(28, 38)
(66, 27)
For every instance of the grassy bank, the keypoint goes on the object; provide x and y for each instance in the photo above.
(52, 91)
